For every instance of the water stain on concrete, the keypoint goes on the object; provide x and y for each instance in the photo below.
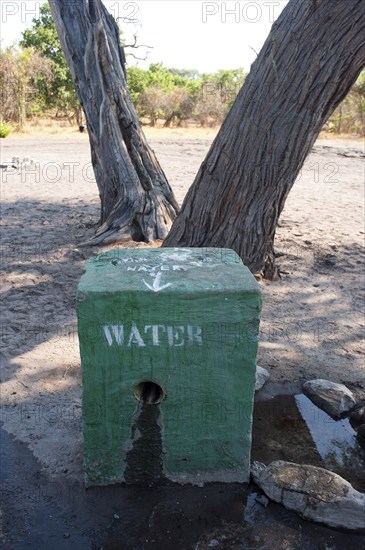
(145, 459)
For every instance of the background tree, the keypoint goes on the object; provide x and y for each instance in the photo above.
(60, 92)
(164, 93)
(20, 75)
(349, 117)
(151, 103)
(358, 95)
(178, 106)
(311, 58)
(138, 81)
(217, 94)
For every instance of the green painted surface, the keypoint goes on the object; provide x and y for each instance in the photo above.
(186, 319)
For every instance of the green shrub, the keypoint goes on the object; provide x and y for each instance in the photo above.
(4, 129)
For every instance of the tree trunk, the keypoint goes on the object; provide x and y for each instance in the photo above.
(311, 58)
(136, 199)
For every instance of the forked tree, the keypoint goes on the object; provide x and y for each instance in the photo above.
(311, 58)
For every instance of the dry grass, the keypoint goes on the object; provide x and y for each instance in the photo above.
(52, 127)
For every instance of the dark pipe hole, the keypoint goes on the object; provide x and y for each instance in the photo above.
(149, 393)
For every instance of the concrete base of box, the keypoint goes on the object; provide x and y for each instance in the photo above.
(199, 479)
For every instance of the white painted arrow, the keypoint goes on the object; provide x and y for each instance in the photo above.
(156, 286)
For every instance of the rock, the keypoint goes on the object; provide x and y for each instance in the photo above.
(314, 493)
(262, 376)
(334, 399)
(6, 165)
(357, 413)
(74, 253)
(80, 253)
(262, 500)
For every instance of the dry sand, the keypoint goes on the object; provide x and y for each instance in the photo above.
(312, 321)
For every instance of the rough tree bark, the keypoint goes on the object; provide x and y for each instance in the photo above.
(136, 199)
(311, 58)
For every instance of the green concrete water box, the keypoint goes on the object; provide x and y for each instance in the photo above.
(168, 342)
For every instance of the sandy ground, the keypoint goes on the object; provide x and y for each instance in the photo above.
(312, 321)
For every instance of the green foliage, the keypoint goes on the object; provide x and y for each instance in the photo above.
(137, 81)
(178, 94)
(4, 129)
(42, 36)
(349, 117)
(226, 82)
